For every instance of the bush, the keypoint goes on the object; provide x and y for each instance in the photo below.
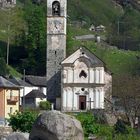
(88, 123)
(120, 127)
(106, 131)
(22, 121)
(45, 105)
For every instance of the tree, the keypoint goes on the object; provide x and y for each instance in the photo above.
(35, 18)
(126, 88)
(12, 25)
(45, 105)
(22, 121)
(34, 39)
(3, 67)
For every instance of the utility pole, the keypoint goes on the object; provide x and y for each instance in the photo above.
(24, 89)
(8, 45)
(118, 27)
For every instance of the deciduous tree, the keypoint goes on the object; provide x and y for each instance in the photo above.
(127, 90)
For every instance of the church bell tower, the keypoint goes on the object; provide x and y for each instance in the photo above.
(56, 46)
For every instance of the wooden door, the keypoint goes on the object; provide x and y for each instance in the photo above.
(82, 102)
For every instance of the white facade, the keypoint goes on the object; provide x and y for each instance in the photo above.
(83, 82)
(28, 89)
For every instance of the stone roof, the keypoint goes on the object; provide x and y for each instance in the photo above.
(19, 82)
(35, 94)
(36, 80)
(4, 83)
(85, 54)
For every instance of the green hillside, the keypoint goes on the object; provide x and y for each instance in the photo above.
(28, 35)
(118, 61)
(94, 11)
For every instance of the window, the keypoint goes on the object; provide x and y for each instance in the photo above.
(11, 94)
(9, 1)
(11, 110)
(56, 8)
(83, 74)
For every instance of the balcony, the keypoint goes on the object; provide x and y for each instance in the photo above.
(12, 100)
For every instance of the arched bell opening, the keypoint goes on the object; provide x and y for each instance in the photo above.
(56, 8)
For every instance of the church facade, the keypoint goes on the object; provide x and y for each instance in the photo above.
(85, 82)
(79, 82)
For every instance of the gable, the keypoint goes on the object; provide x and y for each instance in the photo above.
(4, 83)
(83, 55)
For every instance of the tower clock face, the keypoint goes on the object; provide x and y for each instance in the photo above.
(55, 26)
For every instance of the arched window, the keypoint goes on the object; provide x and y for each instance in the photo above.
(56, 8)
(83, 74)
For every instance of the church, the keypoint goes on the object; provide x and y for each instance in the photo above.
(79, 82)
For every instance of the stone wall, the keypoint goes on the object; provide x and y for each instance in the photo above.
(4, 131)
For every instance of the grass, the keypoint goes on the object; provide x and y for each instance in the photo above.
(13, 72)
(91, 11)
(118, 61)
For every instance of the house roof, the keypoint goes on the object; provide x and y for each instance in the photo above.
(35, 94)
(83, 53)
(19, 82)
(4, 83)
(36, 80)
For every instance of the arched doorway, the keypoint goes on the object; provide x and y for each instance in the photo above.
(82, 102)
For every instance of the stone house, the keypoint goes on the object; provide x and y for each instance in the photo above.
(33, 98)
(31, 84)
(86, 82)
(10, 98)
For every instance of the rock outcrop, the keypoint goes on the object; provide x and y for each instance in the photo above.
(53, 125)
(15, 136)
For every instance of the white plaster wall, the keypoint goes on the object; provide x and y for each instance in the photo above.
(94, 75)
(64, 100)
(70, 76)
(64, 76)
(38, 100)
(91, 93)
(102, 94)
(102, 76)
(97, 76)
(29, 89)
(71, 99)
(58, 103)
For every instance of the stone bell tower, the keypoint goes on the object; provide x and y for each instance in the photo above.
(56, 46)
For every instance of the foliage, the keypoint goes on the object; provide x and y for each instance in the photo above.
(22, 121)
(125, 32)
(45, 105)
(120, 127)
(88, 123)
(3, 67)
(12, 23)
(34, 39)
(28, 34)
(117, 61)
(119, 132)
(93, 11)
(36, 21)
(126, 89)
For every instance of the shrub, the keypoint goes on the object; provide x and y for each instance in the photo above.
(105, 131)
(120, 127)
(88, 123)
(22, 121)
(45, 105)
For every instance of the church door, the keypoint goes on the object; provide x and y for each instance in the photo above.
(82, 102)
